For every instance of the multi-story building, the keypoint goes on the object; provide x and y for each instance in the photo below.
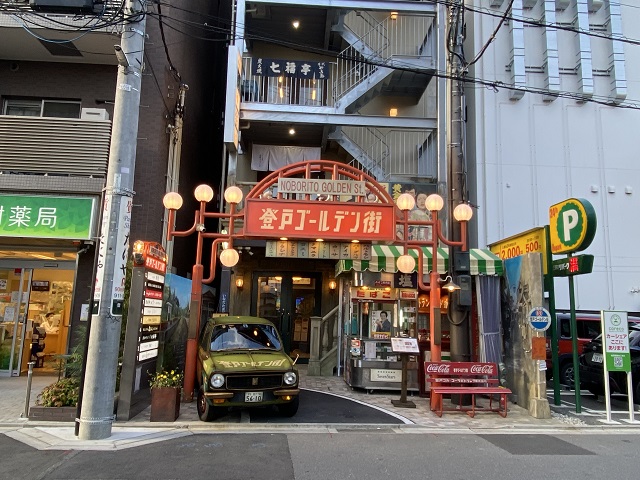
(57, 88)
(560, 124)
(351, 82)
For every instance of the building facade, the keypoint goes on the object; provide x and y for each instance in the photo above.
(559, 125)
(57, 87)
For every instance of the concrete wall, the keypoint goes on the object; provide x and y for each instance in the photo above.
(526, 155)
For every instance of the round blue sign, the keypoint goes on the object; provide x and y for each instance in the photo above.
(540, 319)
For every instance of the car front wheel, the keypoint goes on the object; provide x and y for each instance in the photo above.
(289, 409)
(206, 412)
(566, 374)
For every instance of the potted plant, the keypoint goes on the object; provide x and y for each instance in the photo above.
(165, 395)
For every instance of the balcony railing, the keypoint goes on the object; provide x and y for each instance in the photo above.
(284, 90)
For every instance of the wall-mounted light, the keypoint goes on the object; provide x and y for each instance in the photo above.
(394, 15)
(332, 285)
(296, 24)
(239, 283)
(450, 286)
(292, 131)
(393, 112)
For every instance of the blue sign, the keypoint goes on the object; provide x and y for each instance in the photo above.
(540, 319)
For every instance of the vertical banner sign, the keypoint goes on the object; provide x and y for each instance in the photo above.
(102, 254)
(615, 333)
(122, 248)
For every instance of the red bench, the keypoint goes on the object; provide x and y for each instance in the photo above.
(465, 378)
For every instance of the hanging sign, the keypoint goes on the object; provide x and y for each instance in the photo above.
(272, 67)
(312, 219)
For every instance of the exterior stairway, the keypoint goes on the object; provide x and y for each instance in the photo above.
(379, 58)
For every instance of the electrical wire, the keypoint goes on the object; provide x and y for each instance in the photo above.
(172, 68)
(492, 37)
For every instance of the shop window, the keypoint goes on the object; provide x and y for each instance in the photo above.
(42, 108)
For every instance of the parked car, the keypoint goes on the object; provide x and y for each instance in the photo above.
(241, 363)
(588, 327)
(592, 367)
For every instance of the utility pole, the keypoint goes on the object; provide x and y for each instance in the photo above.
(458, 316)
(96, 415)
(173, 165)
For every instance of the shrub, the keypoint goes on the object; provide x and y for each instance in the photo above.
(63, 393)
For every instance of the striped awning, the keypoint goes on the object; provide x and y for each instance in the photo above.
(383, 259)
(485, 262)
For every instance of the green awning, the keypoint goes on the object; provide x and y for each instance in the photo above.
(485, 262)
(383, 259)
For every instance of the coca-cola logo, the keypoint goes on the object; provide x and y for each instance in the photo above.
(437, 368)
(482, 369)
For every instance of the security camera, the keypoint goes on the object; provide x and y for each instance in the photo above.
(120, 55)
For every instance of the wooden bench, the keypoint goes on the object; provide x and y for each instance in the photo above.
(465, 378)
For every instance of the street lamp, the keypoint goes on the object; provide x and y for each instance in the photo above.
(406, 262)
(228, 257)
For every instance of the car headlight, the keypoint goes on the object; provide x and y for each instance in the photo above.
(290, 378)
(217, 380)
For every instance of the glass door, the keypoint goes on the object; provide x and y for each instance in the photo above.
(14, 298)
(289, 301)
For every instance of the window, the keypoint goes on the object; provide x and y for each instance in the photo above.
(42, 108)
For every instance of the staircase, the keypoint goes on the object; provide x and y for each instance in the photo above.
(377, 48)
(366, 145)
(324, 344)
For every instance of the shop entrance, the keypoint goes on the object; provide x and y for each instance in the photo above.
(289, 301)
(35, 311)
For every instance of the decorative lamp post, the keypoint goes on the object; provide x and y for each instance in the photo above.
(406, 263)
(228, 257)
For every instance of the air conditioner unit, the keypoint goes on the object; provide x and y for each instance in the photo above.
(62, 6)
(94, 114)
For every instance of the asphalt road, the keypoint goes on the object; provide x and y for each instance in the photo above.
(309, 456)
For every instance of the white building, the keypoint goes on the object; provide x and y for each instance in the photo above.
(527, 151)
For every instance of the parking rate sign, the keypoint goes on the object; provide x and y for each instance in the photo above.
(615, 332)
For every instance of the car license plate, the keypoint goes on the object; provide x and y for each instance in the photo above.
(597, 358)
(252, 397)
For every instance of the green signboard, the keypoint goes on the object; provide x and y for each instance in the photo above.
(578, 265)
(615, 336)
(46, 217)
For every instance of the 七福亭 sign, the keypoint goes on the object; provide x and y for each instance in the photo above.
(615, 333)
(274, 67)
(539, 319)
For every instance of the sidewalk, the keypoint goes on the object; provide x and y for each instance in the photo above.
(140, 430)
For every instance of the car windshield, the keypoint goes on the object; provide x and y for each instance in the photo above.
(245, 336)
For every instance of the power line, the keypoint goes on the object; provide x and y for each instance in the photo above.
(493, 84)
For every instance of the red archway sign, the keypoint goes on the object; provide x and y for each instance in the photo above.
(320, 199)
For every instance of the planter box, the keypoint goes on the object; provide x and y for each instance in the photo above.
(165, 404)
(53, 414)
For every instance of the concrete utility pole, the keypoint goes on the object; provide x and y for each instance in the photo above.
(96, 415)
(459, 319)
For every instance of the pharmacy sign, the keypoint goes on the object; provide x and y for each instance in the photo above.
(40, 216)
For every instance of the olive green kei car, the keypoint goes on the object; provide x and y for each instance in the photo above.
(241, 363)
